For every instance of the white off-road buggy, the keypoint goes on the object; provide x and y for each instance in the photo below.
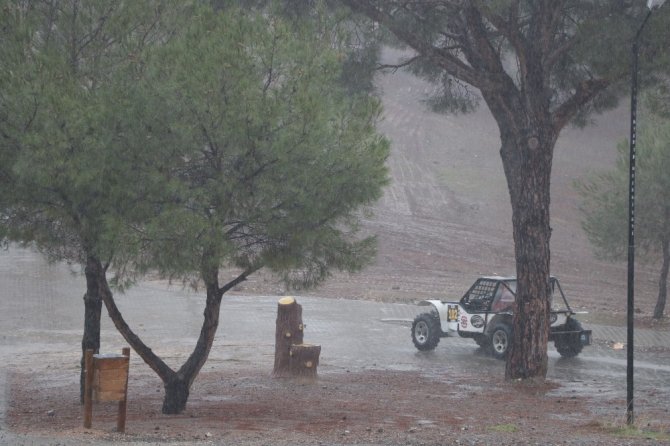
(484, 314)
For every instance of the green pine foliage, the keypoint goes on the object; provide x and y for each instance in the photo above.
(604, 195)
(278, 158)
(68, 162)
(604, 205)
(159, 136)
(604, 208)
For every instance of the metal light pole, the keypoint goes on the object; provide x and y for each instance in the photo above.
(651, 5)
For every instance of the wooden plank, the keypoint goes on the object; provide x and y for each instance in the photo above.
(110, 386)
(111, 375)
(110, 383)
(117, 395)
(88, 388)
(121, 418)
(107, 380)
(111, 363)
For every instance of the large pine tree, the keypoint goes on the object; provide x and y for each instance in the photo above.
(67, 167)
(537, 65)
(227, 140)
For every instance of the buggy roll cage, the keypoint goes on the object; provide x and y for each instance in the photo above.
(486, 297)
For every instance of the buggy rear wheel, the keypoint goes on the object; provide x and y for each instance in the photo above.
(426, 331)
(569, 346)
(501, 336)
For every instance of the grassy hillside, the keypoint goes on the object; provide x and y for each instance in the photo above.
(446, 216)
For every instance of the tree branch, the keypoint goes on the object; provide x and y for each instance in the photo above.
(557, 52)
(396, 67)
(149, 357)
(514, 36)
(586, 91)
(239, 279)
(441, 57)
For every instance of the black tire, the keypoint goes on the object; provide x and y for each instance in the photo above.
(483, 341)
(501, 337)
(569, 346)
(426, 331)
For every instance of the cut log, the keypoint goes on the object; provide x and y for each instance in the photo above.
(289, 331)
(304, 359)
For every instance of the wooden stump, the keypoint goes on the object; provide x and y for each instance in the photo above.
(304, 359)
(289, 331)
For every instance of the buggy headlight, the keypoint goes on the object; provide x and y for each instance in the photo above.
(552, 318)
(477, 321)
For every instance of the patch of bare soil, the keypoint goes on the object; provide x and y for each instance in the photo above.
(650, 322)
(244, 406)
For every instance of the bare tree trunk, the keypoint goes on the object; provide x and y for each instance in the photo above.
(92, 312)
(527, 162)
(177, 388)
(177, 384)
(663, 282)
(164, 372)
(177, 391)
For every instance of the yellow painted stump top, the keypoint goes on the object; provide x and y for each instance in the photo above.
(288, 300)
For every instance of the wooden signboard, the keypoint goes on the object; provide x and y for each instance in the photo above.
(106, 380)
(110, 377)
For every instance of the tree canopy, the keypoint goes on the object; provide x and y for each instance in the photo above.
(184, 143)
(69, 173)
(275, 163)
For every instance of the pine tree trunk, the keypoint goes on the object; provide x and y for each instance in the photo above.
(289, 331)
(92, 313)
(178, 386)
(663, 282)
(176, 395)
(530, 332)
(527, 163)
(164, 372)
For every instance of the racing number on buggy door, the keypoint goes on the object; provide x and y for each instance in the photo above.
(452, 313)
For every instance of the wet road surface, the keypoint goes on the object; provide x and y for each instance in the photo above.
(42, 315)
